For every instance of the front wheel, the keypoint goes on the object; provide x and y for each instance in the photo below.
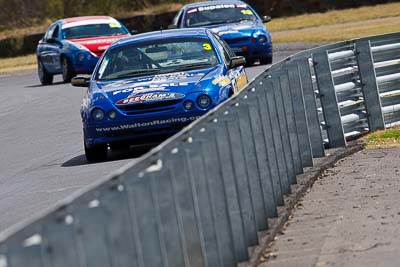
(96, 153)
(44, 77)
(266, 60)
(67, 70)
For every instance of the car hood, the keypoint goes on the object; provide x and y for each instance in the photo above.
(98, 44)
(160, 87)
(237, 29)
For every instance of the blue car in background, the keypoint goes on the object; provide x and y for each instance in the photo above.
(147, 87)
(236, 22)
(74, 45)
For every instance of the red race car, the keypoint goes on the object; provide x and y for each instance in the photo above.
(73, 46)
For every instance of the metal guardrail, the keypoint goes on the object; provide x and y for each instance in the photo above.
(200, 198)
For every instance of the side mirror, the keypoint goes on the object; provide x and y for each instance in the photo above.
(133, 31)
(237, 61)
(80, 81)
(266, 19)
(172, 26)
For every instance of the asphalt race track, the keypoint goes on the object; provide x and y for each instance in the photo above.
(41, 158)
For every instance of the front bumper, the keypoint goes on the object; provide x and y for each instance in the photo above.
(85, 65)
(251, 50)
(138, 131)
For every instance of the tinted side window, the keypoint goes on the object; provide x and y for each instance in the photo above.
(50, 32)
(226, 46)
(221, 48)
(178, 18)
(55, 34)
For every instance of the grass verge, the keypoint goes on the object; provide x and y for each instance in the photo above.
(339, 32)
(17, 64)
(335, 17)
(382, 139)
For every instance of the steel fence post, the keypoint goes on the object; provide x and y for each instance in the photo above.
(252, 167)
(314, 125)
(25, 256)
(297, 96)
(370, 88)
(119, 226)
(283, 127)
(213, 255)
(329, 100)
(262, 155)
(288, 116)
(284, 174)
(61, 239)
(224, 197)
(272, 155)
(185, 206)
(142, 210)
(165, 210)
(241, 177)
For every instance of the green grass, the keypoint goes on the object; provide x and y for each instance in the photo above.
(338, 32)
(18, 64)
(334, 17)
(387, 138)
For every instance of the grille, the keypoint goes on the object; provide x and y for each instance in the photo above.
(237, 40)
(149, 107)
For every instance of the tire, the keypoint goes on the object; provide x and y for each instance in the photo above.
(266, 60)
(96, 153)
(249, 62)
(67, 70)
(44, 77)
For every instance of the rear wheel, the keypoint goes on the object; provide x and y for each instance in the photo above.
(44, 77)
(266, 60)
(96, 153)
(249, 62)
(67, 70)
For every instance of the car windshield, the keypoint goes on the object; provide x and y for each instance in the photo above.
(218, 14)
(93, 30)
(155, 57)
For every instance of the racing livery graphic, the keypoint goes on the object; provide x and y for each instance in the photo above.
(147, 87)
(236, 22)
(74, 45)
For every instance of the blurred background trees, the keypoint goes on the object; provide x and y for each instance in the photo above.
(26, 12)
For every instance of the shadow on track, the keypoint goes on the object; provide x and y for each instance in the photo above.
(39, 85)
(112, 156)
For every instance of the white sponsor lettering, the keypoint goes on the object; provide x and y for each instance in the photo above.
(147, 124)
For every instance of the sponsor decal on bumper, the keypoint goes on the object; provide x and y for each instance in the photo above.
(146, 124)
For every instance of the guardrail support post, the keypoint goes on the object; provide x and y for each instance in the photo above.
(329, 100)
(314, 125)
(299, 110)
(369, 85)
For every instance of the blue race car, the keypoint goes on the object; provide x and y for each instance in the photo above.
(147, 87)
(74, 45)
(236, 22)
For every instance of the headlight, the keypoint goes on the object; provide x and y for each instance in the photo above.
(188, 104)
(112, 114)
(204, 101)
(262, 38)
(97, 114)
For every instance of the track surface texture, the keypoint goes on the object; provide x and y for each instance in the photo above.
(349, 218)
(42, 159)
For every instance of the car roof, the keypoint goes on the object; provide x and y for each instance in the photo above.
(87, 19)
(212, 3)
(161, 34)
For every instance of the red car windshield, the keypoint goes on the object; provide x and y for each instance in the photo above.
(93, 30)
